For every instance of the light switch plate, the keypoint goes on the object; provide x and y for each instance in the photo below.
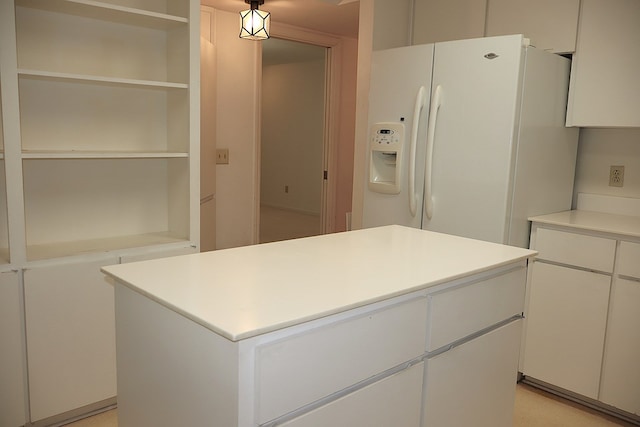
(222, 156)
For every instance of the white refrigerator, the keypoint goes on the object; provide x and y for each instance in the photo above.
(468, 138)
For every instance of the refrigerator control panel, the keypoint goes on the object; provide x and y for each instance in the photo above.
(387, 141)
(386, 136)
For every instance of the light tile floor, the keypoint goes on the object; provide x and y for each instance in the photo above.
(534, 408)
(280, 224)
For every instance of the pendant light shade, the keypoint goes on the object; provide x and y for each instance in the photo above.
(254, 23)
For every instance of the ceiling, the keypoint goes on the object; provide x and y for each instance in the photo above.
(338, 17)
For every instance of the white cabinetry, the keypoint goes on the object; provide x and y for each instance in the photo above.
(604, 89)
(325, 357)
(99, 137)
(397, 403)
(70, 322)
(364, 366)
(562, 328)
(443, 20)
(13, 410)
(105, 95)
(550, 24)
(581, 330)
(620, 372)
(480, 373)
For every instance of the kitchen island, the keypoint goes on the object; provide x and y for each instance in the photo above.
(390, 326)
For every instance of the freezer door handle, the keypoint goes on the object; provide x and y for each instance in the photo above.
(436, 101)
(417, 110)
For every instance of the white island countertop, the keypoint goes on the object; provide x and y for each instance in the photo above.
(247, 291)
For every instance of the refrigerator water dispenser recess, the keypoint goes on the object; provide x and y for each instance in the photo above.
(387, 140)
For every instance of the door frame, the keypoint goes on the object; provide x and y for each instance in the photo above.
(331, 119)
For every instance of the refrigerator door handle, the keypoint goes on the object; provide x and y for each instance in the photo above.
(436, 101)
(417, 109)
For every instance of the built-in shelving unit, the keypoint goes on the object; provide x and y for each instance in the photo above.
(99, 157)
(104, 93)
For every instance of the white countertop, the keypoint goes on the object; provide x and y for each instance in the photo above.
(244, 292)
(625, 225)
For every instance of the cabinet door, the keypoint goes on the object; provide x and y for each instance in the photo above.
(621, 368)
(443, 20)
(393, 401)
(474, 384)
(604, 89)
(551, 25)
(565, 329)
(70, 326)
(12, 381)
(324, 357)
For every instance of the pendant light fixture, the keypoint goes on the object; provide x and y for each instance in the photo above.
(254, 23)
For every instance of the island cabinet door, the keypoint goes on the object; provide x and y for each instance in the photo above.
(474, 384)
(318, 362)
(393, 401)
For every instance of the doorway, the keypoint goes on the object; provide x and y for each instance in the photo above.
(292, 154)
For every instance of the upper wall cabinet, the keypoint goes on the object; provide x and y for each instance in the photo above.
(605, 89)
(549, 24)
(442, 20)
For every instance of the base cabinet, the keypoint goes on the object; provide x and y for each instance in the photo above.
(581, 329)
(70, 334)
(13, 412)
(562, 328)
(621, 373)
(621, 370)
(70, 330)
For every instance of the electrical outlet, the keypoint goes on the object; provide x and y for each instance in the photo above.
(616, 176)
(222, 156)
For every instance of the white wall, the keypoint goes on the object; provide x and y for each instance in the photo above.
(292, 135)
(598, 150)
(346, 133)
(238, 66)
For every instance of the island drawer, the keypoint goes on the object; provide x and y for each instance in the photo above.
(629, 259)
(460, 312)
(594, 253)
(336, 356)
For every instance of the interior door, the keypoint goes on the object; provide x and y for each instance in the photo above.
(474, 130)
